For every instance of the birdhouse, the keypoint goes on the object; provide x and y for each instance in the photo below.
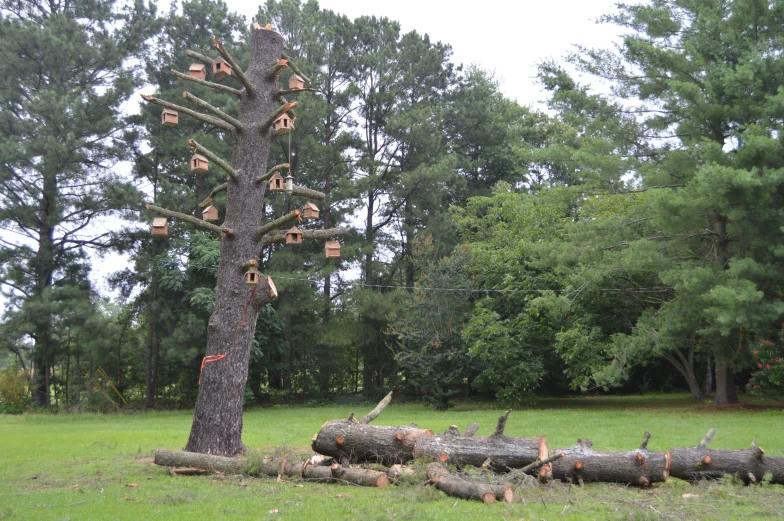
(283, 123)
(296, 82)
(277, 183)
(294, 236)
(210, 213)
(220, 68)
(170, 117)
(160, 226)
(252, 277)
(310, 211)
(198, 70)
(199, 164)
(332, 249)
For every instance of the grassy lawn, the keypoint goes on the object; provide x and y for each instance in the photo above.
(85, 467)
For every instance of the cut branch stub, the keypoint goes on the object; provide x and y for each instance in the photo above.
(583, 464)
(700, 462)
(501, 426)
(378, 409)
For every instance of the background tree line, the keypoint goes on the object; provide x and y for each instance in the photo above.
(626, 241)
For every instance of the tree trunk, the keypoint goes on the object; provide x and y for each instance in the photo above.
(638, 467)
(685, 366)
(351, 442)
(217, 421)
(700, 462)
(499, 453)
(288, 360)
(707, 382)
(726, 391)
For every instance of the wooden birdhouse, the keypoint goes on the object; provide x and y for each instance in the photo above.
(294, 236)
(310, 211)
(332, 249)
(170, 117)
(198, 70)
(296, 82)
(220, 68)
(252, 277)
(277, 183)
(160, 226)
(199, 164)
(283, 123)
(210, 213)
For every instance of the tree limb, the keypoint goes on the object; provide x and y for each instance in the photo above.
(214, 158)
(294, 68)
(307, 235)
(275, 115)
(268, 175)
(277, 223)
(206, 83)
(236, 69)
(192, 113)
(308, 193)
(197, 56)
(707, 439)
(215, 191)
(189, 218)
(372, 415)
(286, 92)
(499, 429)
(215, 110)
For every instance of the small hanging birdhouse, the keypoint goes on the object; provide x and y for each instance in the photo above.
(198, 70)
(220, 68)
(210, 213)
(277, 183)
(170, 117)
(296, 82)
(332, 249)
(294, 236)
(282, 123)
(199, 164)
(310, 211)
(160, 226)
(252, 277)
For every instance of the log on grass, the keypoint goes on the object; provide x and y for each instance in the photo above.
(465, 489)
(700, 462)
(639, 467)
(350, 442)
(776, 467)
(499, 453)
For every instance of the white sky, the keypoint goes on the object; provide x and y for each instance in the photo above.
(507, 37)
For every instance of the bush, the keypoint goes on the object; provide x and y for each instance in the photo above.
(768, 375)
(14, 392)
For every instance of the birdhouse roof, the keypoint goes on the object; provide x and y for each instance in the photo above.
(169, 111)
(332, 244)
(219, 59)
(252, 269)
(293, 229)
(197, 67)
(209, 209)
(310, 206)
(276, 176)
(159, 221)
(199, 156)
(297, 77)
(283, 116)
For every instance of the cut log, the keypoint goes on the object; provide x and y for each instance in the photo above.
(178, 458)
(362, 477)
(465, 489)
(700, 462)
(499, 453)
(639, 467)
(776, 467)
(352, 442)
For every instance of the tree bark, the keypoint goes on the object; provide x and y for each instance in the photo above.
(351, 442)
(499, 453)
(776, 467)
(465, 489)
(726, 391)
(217, 421)
(707, 382)
(700, 462)
(639, 467)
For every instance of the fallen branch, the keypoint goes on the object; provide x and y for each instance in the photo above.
(459, 487)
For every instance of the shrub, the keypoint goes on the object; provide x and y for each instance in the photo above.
(14, 391)
(768, 375)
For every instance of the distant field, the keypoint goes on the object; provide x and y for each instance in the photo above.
(58, 467)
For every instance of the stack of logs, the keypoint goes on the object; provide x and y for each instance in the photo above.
(344, 447)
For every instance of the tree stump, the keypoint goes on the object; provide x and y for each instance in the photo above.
(700, 462)
(639, 467)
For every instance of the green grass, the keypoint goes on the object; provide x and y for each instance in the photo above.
(58, 467)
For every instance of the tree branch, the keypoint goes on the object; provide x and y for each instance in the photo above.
(499, 428)
(276, 69)
(294, 68)
(202, 58)
(215, 191)
(308, 193)
(192, 113)
(206, 83)
(214, 158)
(215, 110)
(372, 415)
(271, 173)
(275, 115)
(277, 223)
(189, 218)
(307, 235)
(236, 69)
(294, 91)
